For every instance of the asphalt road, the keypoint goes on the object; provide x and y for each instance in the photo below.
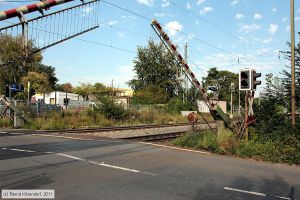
(115, 169)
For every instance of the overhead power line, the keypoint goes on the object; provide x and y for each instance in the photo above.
(186, 34)
(206, 21)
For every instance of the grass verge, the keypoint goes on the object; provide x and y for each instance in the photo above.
(286, 150)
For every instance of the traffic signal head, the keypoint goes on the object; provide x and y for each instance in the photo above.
(254, 81)
(245, 79)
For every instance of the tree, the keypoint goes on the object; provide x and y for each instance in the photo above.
(65, 87)
(39, 82)
(154, 66)
(287, 83)
(223, 79)
(85, 90)
(50, 71)
(151, 94)
(12, 57)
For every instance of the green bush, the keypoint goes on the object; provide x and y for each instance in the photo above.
(176, 105)
(110, 109)
(4, 123)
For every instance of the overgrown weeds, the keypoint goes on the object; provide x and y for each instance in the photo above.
(286, 150)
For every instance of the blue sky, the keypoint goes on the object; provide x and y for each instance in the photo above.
(251, 31)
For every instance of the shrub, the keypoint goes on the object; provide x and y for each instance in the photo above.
(4, 123)
(110, 109)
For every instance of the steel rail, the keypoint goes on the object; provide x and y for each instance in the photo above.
(115, 128)
(156, 137)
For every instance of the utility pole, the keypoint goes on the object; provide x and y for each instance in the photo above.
(239, 103)
(246, 117)
(293, 106)
(231, 100)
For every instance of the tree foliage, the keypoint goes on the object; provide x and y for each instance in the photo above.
(65, 87)
(39, 82)
(154, 66)
(50, 71)
(98, 90)
(151, 94)
(12, 57)
(222, 80)
(272, 112)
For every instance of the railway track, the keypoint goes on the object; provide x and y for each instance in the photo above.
(115, 128)
(156, 137)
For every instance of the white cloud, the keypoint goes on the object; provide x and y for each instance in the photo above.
(160, 14)
(274, 9)
(297, 18)
(188, 6)
(267, 41)
(234, 2)
(249, 27)
(239, 16)
(284, 19)
(298, 11)
(288, 28)
(165, 3)
(257, 16)
(111, 23)
(173, 27)
(206, 10)
(199, 2)
(273, 28)
(146, 2)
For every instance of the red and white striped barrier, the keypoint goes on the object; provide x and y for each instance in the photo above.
(187, 69)
(30, 8)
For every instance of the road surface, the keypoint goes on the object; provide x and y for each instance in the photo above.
(78, 168)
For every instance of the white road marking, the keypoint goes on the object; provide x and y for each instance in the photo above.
(84, 160)
(255, 193)
(76, 138)
(102, 164)
(21, 150)
(59, 136)
(16, 133)
(72, 157)
(2, 132)
(121, 168)
(177, 148)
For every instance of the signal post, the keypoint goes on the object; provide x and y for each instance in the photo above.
(248, 83)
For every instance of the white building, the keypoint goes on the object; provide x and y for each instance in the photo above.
(203, 108)
(57, 98)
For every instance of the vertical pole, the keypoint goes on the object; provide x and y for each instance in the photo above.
(239, 103)
(28, 93)
(231, 100)
(66, 100)
(246, 116)
(24, 38)
(293, 106)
